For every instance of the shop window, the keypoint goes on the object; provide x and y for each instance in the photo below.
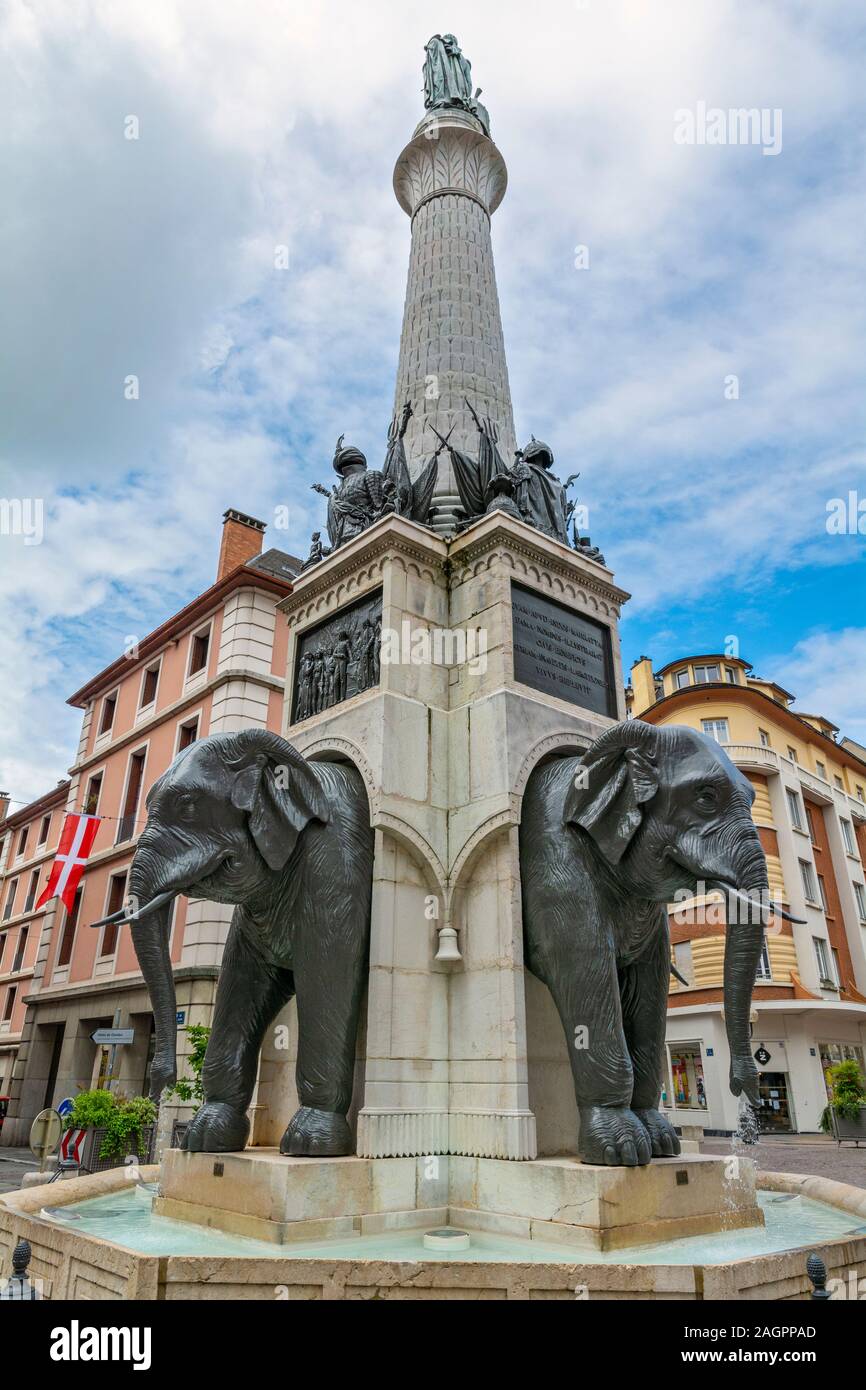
(687, 1075)
(832, 1053)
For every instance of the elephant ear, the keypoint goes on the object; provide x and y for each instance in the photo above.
(279, 791)
(614, 779)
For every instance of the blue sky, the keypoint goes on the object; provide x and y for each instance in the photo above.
(279, 124)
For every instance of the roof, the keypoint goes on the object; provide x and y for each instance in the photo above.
(275, 575)
(712, 690)
(48, 800)
(709, 656)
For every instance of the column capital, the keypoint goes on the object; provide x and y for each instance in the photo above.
(450, 153)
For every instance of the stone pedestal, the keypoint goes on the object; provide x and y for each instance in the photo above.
(445, 743)
(261, 1194)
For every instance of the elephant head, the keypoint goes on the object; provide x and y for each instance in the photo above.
(221, 822)
(671, 814)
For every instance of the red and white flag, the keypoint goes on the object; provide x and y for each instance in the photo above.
(76, 842)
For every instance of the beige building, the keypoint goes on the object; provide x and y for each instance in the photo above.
(809, 1003)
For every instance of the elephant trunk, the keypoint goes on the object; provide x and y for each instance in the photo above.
(150, 925)
(743, 946)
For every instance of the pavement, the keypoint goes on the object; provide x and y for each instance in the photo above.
(14, 1163)
(801, 1153)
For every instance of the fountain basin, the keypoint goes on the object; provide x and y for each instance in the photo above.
(178, 1260)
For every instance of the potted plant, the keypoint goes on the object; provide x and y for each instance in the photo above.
(845, 1116)
(117, 1128)
(189, 1088)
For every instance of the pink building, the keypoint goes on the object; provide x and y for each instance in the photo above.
(217, 665)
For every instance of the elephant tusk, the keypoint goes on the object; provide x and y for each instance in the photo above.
(767, 909)
(124, 915)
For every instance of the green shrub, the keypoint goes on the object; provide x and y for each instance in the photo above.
(848, 1089)
(122, 1119)
(190, 1089)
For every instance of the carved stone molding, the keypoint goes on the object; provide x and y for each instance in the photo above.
(459, 158)
(471, 1133)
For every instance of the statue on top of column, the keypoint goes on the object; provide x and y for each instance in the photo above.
(448, 79)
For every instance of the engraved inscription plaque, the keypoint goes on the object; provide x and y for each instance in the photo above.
(561, 652)
(338, 658)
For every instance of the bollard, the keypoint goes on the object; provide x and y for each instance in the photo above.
(18, 1288)
(817, 1272)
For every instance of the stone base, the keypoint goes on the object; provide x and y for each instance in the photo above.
(262, 1194)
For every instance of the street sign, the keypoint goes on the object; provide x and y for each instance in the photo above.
(762, 1055)
(64, 1107)
(45, 1134)
(181, 1016)
(113, 1037)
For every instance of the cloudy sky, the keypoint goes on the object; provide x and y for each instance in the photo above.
(265, 124)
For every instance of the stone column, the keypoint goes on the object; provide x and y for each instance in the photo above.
(450, 179)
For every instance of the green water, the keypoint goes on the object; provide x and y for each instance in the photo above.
(126, 1219)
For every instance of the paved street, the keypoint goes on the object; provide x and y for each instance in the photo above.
(14, 1163)
(802, 1154)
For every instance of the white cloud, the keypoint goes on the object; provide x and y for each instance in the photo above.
(278, 123)
(827, 673)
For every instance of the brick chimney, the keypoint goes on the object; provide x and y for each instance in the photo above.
(241, 541)
(4, 805)
(642, 685)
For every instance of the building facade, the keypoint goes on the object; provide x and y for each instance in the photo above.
(809, 1002)
(216, 666)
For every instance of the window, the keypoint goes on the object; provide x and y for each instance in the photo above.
(765, 738)
(10, 1003)
(821, 770)
(810, 817)
(64, 955)
(31, 891)
(860, 895)
(198, 652)
(682, 678)
(794, 809)
(91, 800)
(134, 778)
(10, 900)
(848, 836)
(43, 830)
(116, 895)
(187, 734)
(22, 843)
(837, 968)
(731, 675)
(861, 796)
(19, 950)
(705, 674)
(764, 972)
(821, 958)
(2, 949)
(109, 705)
(716, 728)
(792, 754)
(822, 889)
(807, 874)
(148, 686)
(838, 783)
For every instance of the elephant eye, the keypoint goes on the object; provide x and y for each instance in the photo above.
(707, 798)
(186, 807)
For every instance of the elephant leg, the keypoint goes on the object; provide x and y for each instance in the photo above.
(644, 994)
(250, 993)
(329, 978)
(584, 987)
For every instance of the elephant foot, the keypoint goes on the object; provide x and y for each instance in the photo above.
(664, 1138)
(612, 1134)
(217, 1128)
(316, 1134)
